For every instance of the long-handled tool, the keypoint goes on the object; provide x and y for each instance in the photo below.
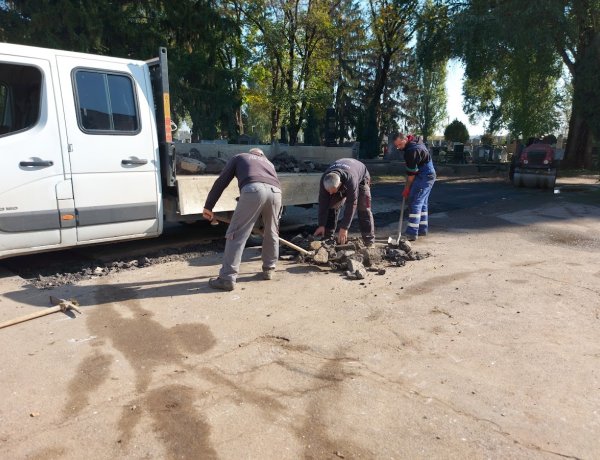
(392, 240)
(61, 305)
(302, 251)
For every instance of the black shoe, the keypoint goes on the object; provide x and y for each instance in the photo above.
(411, 237)
(224, 285)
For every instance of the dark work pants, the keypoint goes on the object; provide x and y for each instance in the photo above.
(365, 215)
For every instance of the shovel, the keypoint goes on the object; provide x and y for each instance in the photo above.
(391, 239)
(302, 251)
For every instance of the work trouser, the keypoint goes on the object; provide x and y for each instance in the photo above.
(365, 215)
(256, 199)
(418, 201)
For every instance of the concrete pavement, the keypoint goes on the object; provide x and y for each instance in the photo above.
(488, 349)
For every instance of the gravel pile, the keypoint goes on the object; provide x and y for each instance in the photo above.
(285, 162)
(353, 259)
(85, 270)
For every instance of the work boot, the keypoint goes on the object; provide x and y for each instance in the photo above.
(224, 285)
(268, 273)
(411, 237)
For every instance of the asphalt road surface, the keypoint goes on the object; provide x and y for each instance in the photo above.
(487, 349)
(472, 202)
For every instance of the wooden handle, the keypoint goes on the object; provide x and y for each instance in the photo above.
(37, 314)
(296, 248)
(260, 232)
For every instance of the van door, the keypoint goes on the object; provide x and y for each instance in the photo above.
(112, 148)
(31, 164)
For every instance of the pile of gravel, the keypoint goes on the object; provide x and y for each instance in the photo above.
(285, 162)
(354, 259)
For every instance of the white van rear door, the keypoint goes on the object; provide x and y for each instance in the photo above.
(31, 164)
(113, 148)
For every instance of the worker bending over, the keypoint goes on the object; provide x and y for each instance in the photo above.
(345, 181)
(419, 182)
(260, 194)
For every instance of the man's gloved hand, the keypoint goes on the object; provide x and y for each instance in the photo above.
(343, 236)
(405, 192)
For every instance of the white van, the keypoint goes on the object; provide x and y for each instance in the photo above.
(86, 156)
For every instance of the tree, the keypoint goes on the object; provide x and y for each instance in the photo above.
(391, 28)
(194, 32)
(487, 139)
(533, 39)
(235, 57)
(295, 39)
(517, 91)
(349, 49)
(425, 103)
(456, 131)
(200, 84)
(313, 127)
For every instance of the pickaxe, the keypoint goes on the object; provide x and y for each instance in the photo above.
(61, 305)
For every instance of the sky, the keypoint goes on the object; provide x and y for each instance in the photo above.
(454, 82)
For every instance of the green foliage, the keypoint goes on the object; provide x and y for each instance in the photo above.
(349, 50)
(257, 65)
(293, 40)
(456, 131)
(512, 76)
(391, 27)
(514, 51)
(487, 139)
(425, 104)
(194, 32)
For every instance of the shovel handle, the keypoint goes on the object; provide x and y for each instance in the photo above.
(401, 219)
(260, 232)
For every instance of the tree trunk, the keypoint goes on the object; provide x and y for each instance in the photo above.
(293, 133)
(340, 112)
(239, 120)
(584, 120)
(578, 153)
(275, 111)
(371, 136)
(274, 124)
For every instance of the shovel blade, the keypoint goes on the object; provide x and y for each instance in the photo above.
(393, 241)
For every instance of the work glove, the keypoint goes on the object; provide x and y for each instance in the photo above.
(405, 192)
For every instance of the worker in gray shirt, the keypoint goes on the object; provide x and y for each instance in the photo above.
(346, 181)
(260, 194)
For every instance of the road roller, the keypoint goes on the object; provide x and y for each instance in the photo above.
(535, 167)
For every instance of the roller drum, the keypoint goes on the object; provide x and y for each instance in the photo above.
(532, 180)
